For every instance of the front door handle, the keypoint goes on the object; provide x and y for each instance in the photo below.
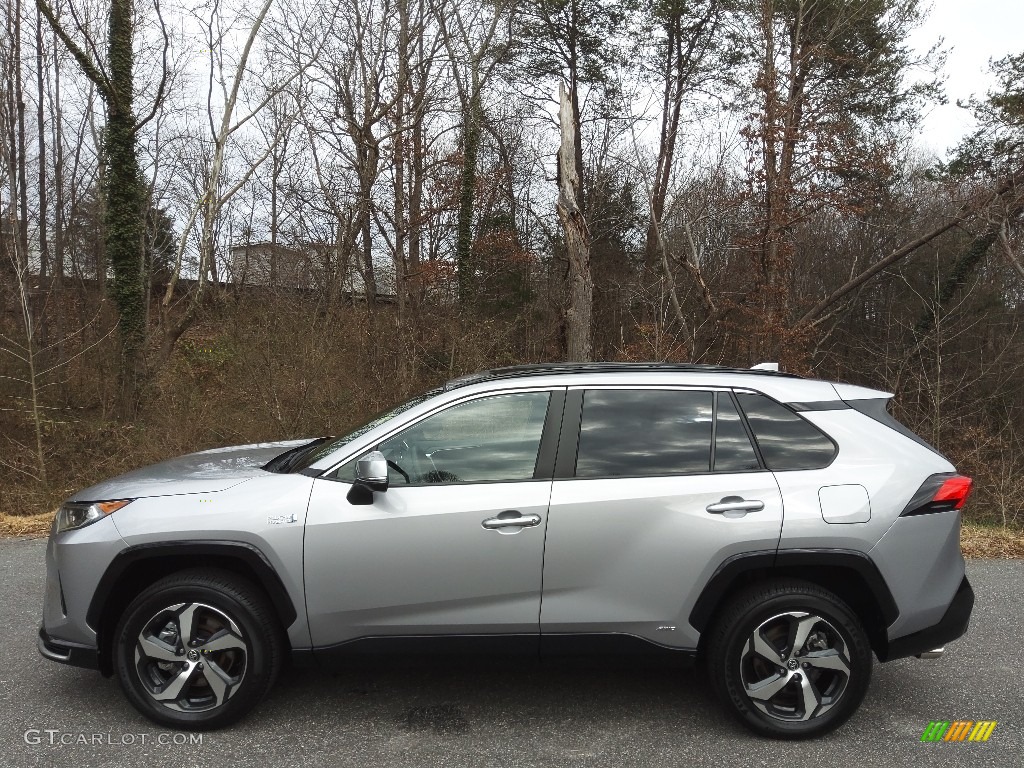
(735, 504)
(511, 519)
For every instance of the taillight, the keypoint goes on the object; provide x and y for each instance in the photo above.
(955, 491)
(939, 493)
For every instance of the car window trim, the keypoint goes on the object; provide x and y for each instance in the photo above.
(547, 453)
(761, 463)
(565, 462)
(714, 429)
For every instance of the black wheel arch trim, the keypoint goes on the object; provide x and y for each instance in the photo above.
(239, 551)
(733, 568)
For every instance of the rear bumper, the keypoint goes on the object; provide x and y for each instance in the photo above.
(952, 625)
(67, 653)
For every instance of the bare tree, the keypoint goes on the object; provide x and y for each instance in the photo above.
(224, 86)
(688, 35)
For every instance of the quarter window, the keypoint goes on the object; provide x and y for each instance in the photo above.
(786, 440)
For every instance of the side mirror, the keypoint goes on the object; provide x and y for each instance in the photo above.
(372, 471)
(371, 475)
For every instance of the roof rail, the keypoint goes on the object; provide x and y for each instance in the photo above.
(765, 367)
(554, 369)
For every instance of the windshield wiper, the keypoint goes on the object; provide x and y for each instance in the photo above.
(283, 463)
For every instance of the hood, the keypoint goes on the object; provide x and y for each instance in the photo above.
(205, 472)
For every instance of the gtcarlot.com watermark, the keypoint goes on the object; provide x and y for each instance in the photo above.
(54, 737)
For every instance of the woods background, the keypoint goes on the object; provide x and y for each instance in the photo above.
(225, 223)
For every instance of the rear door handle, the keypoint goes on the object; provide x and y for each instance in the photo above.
(735, 504)
(511, 519)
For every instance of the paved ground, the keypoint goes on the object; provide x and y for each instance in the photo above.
(510, 714)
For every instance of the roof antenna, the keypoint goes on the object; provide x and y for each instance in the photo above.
(766, 367)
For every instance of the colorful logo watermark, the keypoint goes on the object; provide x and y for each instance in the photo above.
(958, 730)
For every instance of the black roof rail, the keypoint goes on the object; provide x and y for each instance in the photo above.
(553, 369)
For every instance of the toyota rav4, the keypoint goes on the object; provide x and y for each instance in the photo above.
(781, 530)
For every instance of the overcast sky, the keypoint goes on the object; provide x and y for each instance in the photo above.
(975, 31)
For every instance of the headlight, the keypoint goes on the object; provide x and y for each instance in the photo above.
(73, 515)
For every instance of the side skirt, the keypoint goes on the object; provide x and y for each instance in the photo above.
(559, 648)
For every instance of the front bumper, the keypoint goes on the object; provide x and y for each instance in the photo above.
(67, 653)
(952, 625)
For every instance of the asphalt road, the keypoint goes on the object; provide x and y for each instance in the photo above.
(508, 713)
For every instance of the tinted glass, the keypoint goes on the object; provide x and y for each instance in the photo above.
(631, 433)
(733, 451)
(786, 440)
(493, 439)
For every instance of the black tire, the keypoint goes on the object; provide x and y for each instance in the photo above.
(234, 656)
(807, 691)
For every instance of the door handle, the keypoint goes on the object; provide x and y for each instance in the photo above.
(735, 504)
(506, 520)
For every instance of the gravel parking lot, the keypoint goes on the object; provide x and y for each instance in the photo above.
(507, 712)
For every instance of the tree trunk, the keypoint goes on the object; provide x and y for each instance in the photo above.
(124, 206)
(124, 191)
(44, 248)
(19, 98)
(577, 238)
(417, 173)
(58, 180)
(368, 159)
(467, 197)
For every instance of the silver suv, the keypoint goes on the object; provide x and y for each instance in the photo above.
(780, 529)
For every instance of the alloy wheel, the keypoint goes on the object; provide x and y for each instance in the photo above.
(191, 657)
(795, 666)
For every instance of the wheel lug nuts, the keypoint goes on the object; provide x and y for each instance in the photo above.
(798, 678)
(199, 665)
(806, 665)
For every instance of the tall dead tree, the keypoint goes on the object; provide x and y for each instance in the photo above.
(577, 238)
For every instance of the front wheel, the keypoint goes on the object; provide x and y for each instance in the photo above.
(790, 659)
(198, 649)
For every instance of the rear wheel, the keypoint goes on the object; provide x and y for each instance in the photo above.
(790, 659)
(198, 649)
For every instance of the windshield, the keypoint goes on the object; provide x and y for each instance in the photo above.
(311, 454)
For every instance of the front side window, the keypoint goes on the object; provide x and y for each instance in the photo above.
(638, 433)
(493, 439)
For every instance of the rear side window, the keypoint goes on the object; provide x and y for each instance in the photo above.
(637, 433)
(786, 440)
(733, 451)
